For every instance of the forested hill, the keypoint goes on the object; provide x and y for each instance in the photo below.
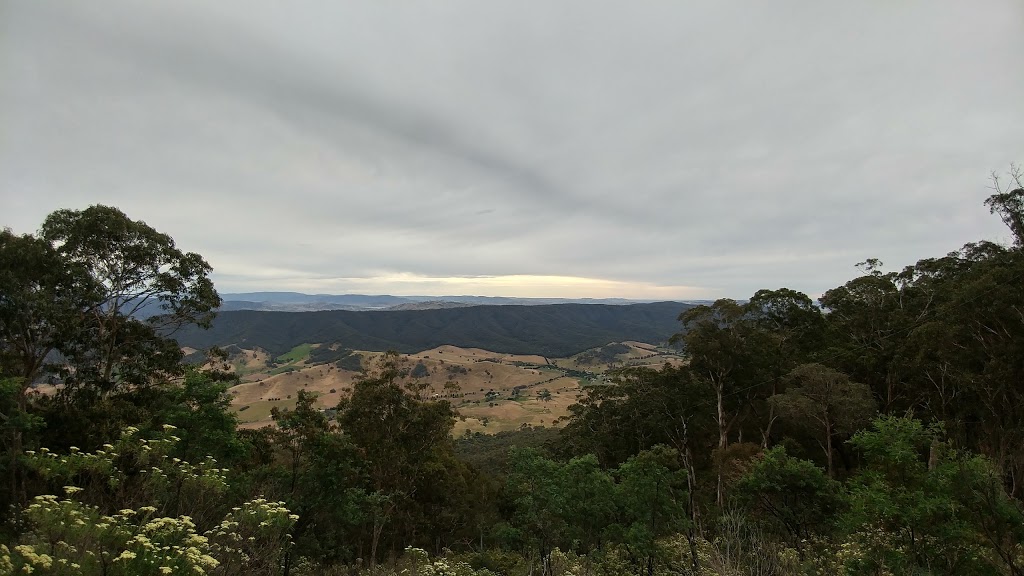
(551, 330)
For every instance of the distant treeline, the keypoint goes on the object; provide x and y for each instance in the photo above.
(551, 330)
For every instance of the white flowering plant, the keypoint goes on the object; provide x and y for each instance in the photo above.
(137, 471)
(121, 527)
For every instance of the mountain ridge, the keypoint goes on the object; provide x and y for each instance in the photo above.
(547, 330)
(301, 302)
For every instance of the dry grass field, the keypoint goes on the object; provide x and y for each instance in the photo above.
(492, 391)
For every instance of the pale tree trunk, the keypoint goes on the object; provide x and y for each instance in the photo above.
(828, 449)
(681, 440)
(767, 432)
(378, 527)
(829, 431)
(723, 441)
(691, 487)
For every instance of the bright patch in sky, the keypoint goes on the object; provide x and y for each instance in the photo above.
(520, 286)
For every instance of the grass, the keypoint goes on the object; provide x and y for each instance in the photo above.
(260, 411)
(502, 413)
(300, 352)
(243, 368)
(282, 370)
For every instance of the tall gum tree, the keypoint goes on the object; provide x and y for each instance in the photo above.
(825, 400)
(792, 327)
(92, 299)
(40, 301)
(145, 288)
(726, 350)
(1008, 202)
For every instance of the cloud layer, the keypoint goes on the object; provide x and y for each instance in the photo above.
(646, 150)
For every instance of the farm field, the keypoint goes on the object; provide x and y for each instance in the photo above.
(493, 392)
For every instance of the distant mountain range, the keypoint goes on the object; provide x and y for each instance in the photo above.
(546, 329)
(298, 302)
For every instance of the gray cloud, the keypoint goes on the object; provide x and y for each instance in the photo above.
(719, 146)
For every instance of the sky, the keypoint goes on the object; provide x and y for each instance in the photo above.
(643, 149)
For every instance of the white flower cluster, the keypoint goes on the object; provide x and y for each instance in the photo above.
(69, 537)
(417, 562)
(256, 532)
(141, 465)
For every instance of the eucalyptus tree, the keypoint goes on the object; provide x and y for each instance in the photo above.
(643, 408)
(968, 357)
(652, 494)
(1008, 202)
(919, 506)
(723, 350)
(792, 496)
(827, 402)
(72, 306)
(868, 318)
(144, 288)
(404, 442)
(41, 302)
(42, 298)
(728, 352)
(793, 329)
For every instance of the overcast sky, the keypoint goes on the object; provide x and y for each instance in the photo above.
(633, 149)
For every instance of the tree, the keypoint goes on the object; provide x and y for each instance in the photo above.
(910, 506)
(41, 301)
(642, 409)
(72, 302)
(297, 428)
(795, 329)
(419, 370)
(589, 494)
(399, 437)
(866, 318)
(792, 495)
(653, 499)
(1009, 204)
(960, 358)
(319, 476)
(533, 488)
(726, 350)
(826, 399)
(136, 273)
(42, 296)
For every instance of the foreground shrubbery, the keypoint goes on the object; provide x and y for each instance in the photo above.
(79, 533)
(916, 506)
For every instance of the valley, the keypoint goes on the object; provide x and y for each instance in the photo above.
(492, 391)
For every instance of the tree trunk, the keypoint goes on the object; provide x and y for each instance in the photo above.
(767, 432)
(378, 527)
(723, 441)
(18, 495)
(828, 449)
(828, 446)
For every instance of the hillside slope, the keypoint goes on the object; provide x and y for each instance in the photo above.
(550, 330)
